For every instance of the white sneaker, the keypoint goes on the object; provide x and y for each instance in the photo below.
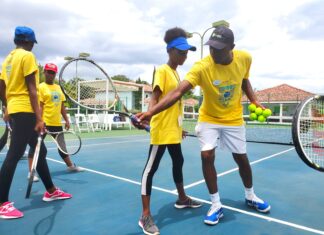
(74, 168)
(36, 179)
(214, 214)
(258, 204)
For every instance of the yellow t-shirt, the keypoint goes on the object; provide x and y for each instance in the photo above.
(52, 97)
(165, 127)
(17, 65)
(222, 88)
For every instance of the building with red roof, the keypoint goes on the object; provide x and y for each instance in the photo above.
(282, 100)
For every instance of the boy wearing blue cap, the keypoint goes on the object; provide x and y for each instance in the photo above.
(24, 34)
(52, 111)
(166, 131)
(222, 75)
(20, 81)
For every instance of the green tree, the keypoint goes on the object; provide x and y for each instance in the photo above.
(41, 73)
(189, 94)
(139, 81)
(121, 78)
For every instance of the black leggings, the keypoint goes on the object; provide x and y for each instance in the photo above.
(50, 129)
(23, 133)
(155, 155)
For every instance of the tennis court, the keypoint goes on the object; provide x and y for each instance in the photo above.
(106, 197)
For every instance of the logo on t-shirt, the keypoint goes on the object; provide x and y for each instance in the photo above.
(216, 82)
(226, 94)
(55, 97)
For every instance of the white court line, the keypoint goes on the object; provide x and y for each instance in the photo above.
(236, 169)
(103, 137)
(110, 143)
(114, 176)
(112, 137)
(90, 145)
(268, 218)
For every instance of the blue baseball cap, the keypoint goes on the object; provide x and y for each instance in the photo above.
(24, 33)
(181, 44)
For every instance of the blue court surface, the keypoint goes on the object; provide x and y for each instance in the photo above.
(106, 197)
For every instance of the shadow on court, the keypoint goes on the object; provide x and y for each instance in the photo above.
(61, 176)
(46, 224)
(46, 221)
(167, 214)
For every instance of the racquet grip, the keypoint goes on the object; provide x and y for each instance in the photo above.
(147, 128)
(135, 121)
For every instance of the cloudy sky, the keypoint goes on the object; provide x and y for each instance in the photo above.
(285, 38)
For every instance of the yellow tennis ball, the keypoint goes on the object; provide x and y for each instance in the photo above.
(261, 118)
(253, 116)
(266, 113)
(252, 107)
(258, 111)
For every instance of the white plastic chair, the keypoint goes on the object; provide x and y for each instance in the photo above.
(70, 120)
(94, 122)
(81, 123)
(110, 120)
(103, 121)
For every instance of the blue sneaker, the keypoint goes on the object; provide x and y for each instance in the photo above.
(258, 204)
(213, 215)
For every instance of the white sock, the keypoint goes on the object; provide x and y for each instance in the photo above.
(249, 193)
(215, 199)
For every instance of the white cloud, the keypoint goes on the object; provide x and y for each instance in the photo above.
(126, 37)
(278, 56)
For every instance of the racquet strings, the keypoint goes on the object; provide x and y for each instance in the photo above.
(68, 142)
(4, 137)
(86, 84)
(311, 131)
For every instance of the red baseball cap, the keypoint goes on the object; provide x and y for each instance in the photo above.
(51, 66)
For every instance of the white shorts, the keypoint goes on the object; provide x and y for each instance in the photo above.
(231, 138)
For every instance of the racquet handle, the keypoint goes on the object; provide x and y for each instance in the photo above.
(147, 128)
(8, 126)
(135, 120)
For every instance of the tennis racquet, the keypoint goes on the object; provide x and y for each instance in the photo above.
(5, 138)
(34, 165)
(308, 131)
(9, 134)
(67, 141)
(87, 84)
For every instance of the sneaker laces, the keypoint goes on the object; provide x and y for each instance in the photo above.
(193, 202)
(8, 207)
(256, 199)
(148, 220)
(57, 192)
(214, 207)
(188, 202)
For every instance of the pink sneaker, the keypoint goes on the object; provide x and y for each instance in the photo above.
(8, 211)
(58, 194)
